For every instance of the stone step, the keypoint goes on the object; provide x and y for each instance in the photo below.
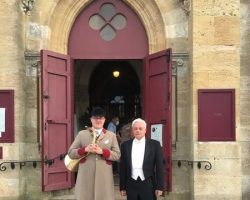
(72, 197)
(61, 196)
(64, 197)
(69, 194)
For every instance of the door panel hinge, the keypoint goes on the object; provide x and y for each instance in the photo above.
(45, 95)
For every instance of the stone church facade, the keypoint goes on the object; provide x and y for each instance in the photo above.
(210, 41)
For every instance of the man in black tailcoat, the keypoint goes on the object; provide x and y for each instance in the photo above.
(141, 166)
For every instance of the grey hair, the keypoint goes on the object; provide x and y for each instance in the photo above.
(139, 120)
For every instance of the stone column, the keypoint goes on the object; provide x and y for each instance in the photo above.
(215, 59)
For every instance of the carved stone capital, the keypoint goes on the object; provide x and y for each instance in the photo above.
(32, 60)
(27, 5)
(179, 60)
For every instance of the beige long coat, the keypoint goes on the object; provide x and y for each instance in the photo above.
(95, 176)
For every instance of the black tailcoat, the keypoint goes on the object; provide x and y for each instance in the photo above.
(152, 163)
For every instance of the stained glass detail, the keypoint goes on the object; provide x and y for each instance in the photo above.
(119, 22)
(96, 22)
(108, 21)
(108, 33)
(108, 10)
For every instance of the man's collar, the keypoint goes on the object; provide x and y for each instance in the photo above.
(98, 131)
(139, 141)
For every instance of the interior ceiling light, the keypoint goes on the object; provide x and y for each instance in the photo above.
(116, 74)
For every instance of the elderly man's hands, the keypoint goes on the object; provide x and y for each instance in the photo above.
(158, 193)
(123, 193)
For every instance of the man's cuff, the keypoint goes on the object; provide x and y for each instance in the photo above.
(106, 153)
(81, 151)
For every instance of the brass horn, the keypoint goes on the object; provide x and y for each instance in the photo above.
(72, 164)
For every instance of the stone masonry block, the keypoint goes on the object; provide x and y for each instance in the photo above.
(232, 27)
(245, 86)
(215, 59)
(214, 150)
(200, 80)
(245, 133)
(246, 166)
(224, 79)
(216, 7)
(245, 150)
(203, 30)
(213, 186)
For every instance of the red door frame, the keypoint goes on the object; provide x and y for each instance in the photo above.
(162, 65)
(136, 47)
(167, 134)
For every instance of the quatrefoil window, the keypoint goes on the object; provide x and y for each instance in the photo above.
(107, 21)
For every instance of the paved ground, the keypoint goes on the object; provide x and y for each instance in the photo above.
(69, 195)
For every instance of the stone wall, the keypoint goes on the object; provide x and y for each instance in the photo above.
(215, 41)
(21, 33)
(245, 98)
(12, 77)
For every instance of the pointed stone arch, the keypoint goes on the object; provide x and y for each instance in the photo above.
(66, 12)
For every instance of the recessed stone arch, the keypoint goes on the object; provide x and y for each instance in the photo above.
(66, 12)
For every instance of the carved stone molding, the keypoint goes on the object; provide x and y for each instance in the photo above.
(179, 60)
(32, 60)
(27, 5)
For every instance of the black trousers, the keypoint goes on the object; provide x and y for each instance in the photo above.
(140, 190)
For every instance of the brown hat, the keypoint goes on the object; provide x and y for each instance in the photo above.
(97, 112)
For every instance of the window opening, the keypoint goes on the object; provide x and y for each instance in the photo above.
(107, 21)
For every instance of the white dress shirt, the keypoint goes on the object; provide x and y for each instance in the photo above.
(138, 150)
(98, 132)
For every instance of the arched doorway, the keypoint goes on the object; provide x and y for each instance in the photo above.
(108, 35)
(96, 40)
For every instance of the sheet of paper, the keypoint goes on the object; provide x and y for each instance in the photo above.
(156, 132)
(2, 120)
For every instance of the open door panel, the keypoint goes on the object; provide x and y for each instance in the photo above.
(56, 119)
(158, 105)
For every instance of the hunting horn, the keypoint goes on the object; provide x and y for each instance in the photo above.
(72, 164)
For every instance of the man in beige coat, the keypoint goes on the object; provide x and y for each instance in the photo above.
(95, 177)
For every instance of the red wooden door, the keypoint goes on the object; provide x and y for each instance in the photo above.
(158, 104)
(56, 123)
